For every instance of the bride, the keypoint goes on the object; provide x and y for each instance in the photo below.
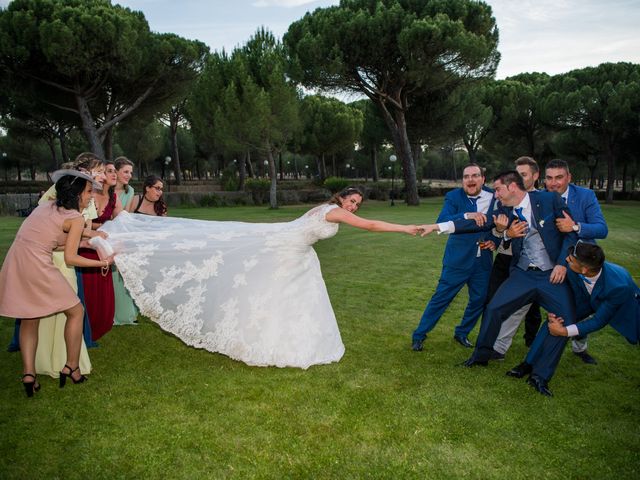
(251, 291)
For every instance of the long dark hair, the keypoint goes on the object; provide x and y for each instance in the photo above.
(112, 188)
(68, 190)
(341, 195)
(159, 207)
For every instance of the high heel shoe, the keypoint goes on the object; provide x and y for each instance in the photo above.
(30, 387)
(63, 376)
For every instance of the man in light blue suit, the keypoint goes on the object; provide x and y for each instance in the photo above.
(586, 220)
(464, 262)
(605, 294)
(538, 269)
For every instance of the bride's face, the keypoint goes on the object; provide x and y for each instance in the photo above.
(351, 203)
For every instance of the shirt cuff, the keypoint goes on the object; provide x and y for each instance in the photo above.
(446, 227)
(572, 331)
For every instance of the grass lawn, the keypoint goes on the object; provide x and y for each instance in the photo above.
(155, 408)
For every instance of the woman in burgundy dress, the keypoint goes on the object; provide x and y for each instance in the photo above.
(98, 282)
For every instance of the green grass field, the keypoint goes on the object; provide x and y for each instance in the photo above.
(155, 408)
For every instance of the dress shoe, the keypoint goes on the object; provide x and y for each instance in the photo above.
(416, 346)
(462, 340)
(540, 385)
(586, 358)
(497, 355)
(520, 370)
(471, 362)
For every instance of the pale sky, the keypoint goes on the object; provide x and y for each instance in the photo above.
(552, 36)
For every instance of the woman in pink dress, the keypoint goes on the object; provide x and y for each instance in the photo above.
(31, 287)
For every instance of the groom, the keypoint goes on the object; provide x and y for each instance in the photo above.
(538, 271)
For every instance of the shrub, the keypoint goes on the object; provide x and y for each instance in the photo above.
(259, 189)
(336, 184)
(229, 182)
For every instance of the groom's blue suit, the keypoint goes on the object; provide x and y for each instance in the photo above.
(615, 300)
(460, 266)
(528, 285)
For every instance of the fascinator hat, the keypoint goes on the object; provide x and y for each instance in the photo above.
(58, 174)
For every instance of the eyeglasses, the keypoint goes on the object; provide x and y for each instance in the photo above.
(473, 175)
(158, 189)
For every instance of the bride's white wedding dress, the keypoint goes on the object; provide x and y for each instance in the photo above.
(252, 291)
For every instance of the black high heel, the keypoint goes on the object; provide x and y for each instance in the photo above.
(30, 387)
(63, 376)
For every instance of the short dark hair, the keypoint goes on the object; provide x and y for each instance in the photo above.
(68, 190)
(558, 163)
(588, 254)
(528, 161)
(473, 164)
(510, 176)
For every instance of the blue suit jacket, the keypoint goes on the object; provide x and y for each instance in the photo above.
(545, 208)
(615, 300)
(461, 249)
(585, 210)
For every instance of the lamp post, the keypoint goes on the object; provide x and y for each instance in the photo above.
(347, 171)
(266, 168)
(393, 159)
(167, 162)
(4, 164)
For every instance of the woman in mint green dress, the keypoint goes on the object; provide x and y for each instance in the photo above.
(126, 311)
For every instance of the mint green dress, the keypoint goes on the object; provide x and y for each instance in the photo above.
(126, 311)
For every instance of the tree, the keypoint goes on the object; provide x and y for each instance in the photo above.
(97, 60)
(374, 132)
(394, 51)
(603, 100)
(329, 126)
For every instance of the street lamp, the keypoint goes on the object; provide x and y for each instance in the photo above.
(167, 161)
(266, 168)
(393, 159)
(347, 171)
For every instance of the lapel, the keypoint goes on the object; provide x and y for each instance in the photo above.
(598, 288)
(536, 215)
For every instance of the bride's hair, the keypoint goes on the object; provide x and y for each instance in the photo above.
(338, 197)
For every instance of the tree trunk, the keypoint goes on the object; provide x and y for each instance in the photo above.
(398, 127)
(322, 170)
(52, 148)
(242, 170)
(252, 173)
(89, 127)
(374, 164)
(273, 194)
(333, 165)
(609, 157)
(281, 166)
(624, 177)
(174, 118)
(19, 169)
(62, 138)
(108, 144)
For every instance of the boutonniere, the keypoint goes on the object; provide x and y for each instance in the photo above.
(541, 223)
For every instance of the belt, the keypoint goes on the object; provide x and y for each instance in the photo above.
(533, 268)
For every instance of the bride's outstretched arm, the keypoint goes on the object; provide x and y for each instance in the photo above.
(339, 215)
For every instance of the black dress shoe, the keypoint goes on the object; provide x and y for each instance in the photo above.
(416, 346)
(471, 362)
(520, 370)
(586, 358)
(462, 340)
(540, 385)
(497, 355)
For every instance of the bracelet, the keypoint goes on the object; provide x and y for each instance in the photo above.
(105, 269)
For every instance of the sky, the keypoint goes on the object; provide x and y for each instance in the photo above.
(552, 36)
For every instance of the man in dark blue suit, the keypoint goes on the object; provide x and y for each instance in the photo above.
(604, 293)
(538, 269)
(586, 220)
(464, 262)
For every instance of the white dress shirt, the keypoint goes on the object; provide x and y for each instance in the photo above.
(572, 330)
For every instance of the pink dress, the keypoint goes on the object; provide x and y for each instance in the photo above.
(31, 286)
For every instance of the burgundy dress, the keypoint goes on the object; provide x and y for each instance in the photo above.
(99, 298)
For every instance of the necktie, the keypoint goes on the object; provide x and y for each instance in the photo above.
(474, 203)
(565, 200)
(519, 213)
(584, 279)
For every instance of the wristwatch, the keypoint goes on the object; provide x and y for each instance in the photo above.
(576, 227)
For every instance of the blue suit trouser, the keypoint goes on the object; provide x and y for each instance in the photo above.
(523, 287)
(451, 282)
